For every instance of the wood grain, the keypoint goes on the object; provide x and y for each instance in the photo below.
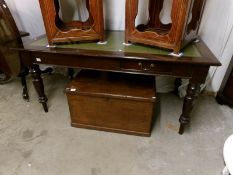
(112, 102)
(60, 32)
(191, 67)
(172, 36)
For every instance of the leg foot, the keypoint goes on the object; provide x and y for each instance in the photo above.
(44, 104)
(181, 129)
(39, 86)
(192, 94)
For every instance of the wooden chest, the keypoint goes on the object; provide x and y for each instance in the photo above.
(112, 102)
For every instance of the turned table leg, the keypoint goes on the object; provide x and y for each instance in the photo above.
(23, 76)
(39, 86)
(192, 94)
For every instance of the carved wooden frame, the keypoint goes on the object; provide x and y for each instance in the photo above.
(180, 31)
(92, 29)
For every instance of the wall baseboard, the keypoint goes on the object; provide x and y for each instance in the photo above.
(209, 93)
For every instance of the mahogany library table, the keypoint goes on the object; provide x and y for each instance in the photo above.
(117, 57)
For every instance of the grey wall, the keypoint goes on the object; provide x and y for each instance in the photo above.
(216, 31)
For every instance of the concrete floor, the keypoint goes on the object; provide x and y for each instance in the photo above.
(35, 143)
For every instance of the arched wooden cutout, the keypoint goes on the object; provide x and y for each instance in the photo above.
(60, 32)
(79, 11)
(66, 26)
(197, 10)
(171, 36)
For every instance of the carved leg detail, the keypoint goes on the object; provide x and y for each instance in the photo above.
(192, 94)
(39, 86)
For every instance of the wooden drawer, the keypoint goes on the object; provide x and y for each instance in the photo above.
(146, 67)
(82, 61)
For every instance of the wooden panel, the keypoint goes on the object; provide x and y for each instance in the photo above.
(124, 116)
(182, 70)
(115, 85)
(76, 61)
(112, 102)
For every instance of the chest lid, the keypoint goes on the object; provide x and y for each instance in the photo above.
(114, 85)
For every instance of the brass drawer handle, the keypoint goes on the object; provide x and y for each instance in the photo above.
(146, 68)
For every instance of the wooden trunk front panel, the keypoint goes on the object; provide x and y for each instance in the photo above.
(111, 114)
(102, 103)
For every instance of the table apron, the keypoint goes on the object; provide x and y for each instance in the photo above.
(114, 64)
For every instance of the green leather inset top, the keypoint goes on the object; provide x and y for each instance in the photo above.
(115, 40)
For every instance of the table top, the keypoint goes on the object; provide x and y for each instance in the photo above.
(195, 53)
